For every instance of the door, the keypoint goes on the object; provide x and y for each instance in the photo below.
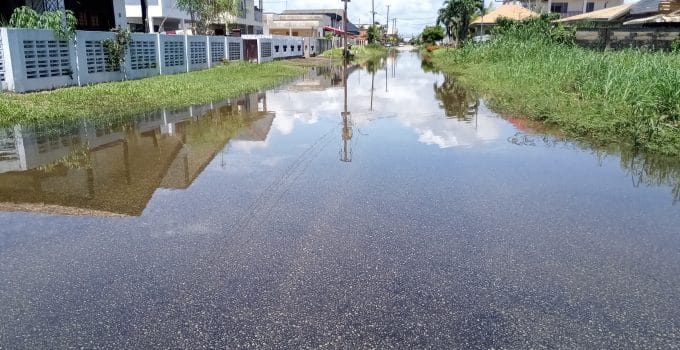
(250, 48)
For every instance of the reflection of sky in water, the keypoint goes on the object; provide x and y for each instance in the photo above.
(408, 97)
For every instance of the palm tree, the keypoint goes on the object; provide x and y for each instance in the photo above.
(445, 16)
(457, 14)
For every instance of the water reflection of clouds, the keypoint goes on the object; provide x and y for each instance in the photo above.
(408, 95)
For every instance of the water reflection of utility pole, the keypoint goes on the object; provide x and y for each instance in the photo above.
(372, 83)
(386, 75)
(394, 66)
(346, 152)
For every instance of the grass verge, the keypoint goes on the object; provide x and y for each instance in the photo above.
(121, 99)
(362, 52)
(630, 97)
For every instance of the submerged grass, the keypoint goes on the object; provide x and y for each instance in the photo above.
(628, 96)
(121, 99)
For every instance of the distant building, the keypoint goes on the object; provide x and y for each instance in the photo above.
(310, 26)
(309, 23)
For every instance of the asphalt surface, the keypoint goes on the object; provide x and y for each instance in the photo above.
(440, 233)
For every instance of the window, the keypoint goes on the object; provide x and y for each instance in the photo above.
(559, 7)
(590, 7)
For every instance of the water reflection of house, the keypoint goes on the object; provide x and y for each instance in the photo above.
(116, 169)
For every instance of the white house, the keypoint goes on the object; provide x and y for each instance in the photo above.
(568, 8)
(166, 17)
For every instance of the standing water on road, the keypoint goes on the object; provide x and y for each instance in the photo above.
(395, 210)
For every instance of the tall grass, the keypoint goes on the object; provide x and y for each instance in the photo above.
(629, 96)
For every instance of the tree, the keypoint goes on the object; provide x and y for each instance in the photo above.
(373, 34)
(432, 34)
(456, 15)
(205, 12)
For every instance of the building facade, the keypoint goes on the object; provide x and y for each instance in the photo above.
(166, 17)
(568, 8)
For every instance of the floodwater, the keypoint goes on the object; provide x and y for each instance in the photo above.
(398, 212)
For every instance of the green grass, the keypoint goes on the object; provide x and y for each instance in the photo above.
(118, 100)
(629, 97)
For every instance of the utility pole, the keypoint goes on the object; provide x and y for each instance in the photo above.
(373, 12)
(145, 15)
(387, 30)
(345, 51)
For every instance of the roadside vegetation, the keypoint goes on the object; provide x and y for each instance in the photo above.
(533, 69)
(362, 52)
(120, 99)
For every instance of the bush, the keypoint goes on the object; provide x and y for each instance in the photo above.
(675, 45)
(536, 28)
(62, 22)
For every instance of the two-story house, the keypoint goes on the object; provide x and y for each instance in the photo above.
(568, 8)
(166, 17)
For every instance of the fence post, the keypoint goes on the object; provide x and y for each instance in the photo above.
(187, 53)
(158, 52)
(208, 51)
(6, 71)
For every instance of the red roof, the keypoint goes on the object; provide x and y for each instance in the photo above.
(334, 30)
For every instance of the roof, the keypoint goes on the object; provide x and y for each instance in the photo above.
(661, 18)
(330, 12)
(351, 29)
(605, 15)
(512, 11)
(645, 6)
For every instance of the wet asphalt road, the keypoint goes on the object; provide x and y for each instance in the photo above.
(410, 245)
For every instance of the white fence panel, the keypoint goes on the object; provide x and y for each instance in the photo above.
(143, 56)
(36, 60)
(234, 49)
(33, 59)
(197, 52)
(218, 49)
(172, 53)
(264, 49)
(93, 58)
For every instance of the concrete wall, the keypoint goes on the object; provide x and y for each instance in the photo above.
(621, 38)
(34, 59)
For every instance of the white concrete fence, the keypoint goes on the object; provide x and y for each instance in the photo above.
(33, 59)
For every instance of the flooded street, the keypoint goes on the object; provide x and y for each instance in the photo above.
(398, 212)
